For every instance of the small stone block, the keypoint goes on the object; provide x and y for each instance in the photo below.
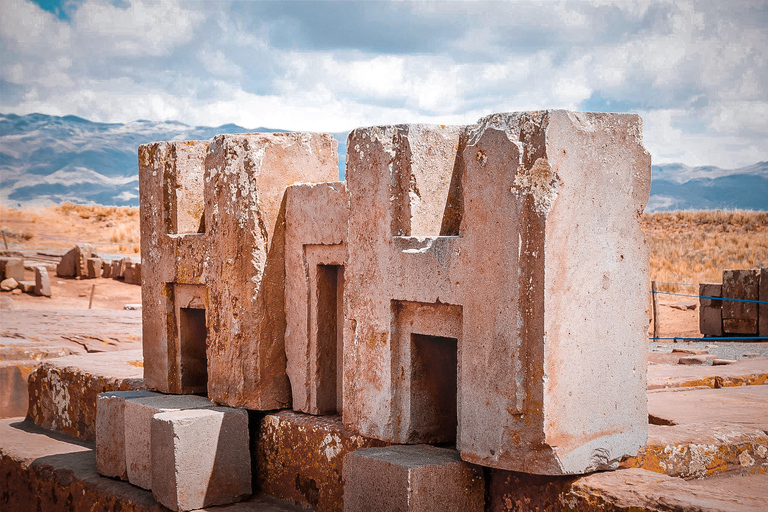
(412, 478)
(42, 282)
(14, 268)
(763, 307)
(110, 432)
(94, 267)
(710, 310)
(138, 422)
(106, 269)
(27, 286)
(200, 458)
(695, 359)
(740, 317)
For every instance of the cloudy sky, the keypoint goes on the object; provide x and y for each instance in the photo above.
(696, 72)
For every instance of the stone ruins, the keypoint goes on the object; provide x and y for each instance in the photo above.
(480, 286)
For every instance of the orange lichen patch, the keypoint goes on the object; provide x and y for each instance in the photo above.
(745, 455)
(718, 382)
(138, 363)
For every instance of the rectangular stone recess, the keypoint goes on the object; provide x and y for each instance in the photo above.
(183, 200)
(192, 336)
(434, 371)
(328, 357)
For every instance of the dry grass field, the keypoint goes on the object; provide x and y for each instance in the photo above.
(113, 230)
(687, 247)
(695, 247)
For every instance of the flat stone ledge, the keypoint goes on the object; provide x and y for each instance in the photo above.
(50, 471)
(745, 372)
(63, 392)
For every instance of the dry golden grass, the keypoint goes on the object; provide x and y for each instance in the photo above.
(114, 230)
(695, 247)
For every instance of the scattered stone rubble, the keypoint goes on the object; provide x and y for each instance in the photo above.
(12, 276)
(735, 317)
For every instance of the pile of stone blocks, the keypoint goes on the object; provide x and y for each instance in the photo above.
(12, 277)
(189, 452)
(83, 262)
(746, 316)
(445, 293)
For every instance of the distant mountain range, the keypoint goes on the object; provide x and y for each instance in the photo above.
(48, 159)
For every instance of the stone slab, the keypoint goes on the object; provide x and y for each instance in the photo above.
(43, 470)
(740, 317)
(626, 490)
(741, 373)
(702, 450)
(418, 478)
(200, 458)
(63, 392)
(763, 308)
(110, 432)
(299, 457)
(710, 310)
(743, 405)
(42, 282)
(138, 415)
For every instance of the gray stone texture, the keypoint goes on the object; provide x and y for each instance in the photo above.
(740, 317)
(710, 310)
(418, 478)
(138, 414)
(110, 432)
(200, 458)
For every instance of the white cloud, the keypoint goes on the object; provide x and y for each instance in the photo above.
(697, 72)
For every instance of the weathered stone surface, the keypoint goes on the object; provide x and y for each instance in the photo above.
(63, 392)
(51, 472)
(110, 432)
(42, 282)
(138, 414)
(9, 284)
(27, 286)
(740, 317)
(12, 268)
(625, 490)
(744, 372)
(106, 269)
(411, 478)
(315, 234)
(93, 266)
(763, 308)
(710, 310)
(554, 194)
(243, 180)
(74, 262)
(132, 273)
(299, 457)
(200, 458)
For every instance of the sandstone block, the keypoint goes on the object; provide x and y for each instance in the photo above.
(316, 218)
(74, 262)
(27, 286)
(485, 332)
(13, 268)
(710, 310)
(42, 282)
(106, 269)
(740, 317)
(132, 273)
(412, 478)
(93, 266)
(234, 185)
(110, 432)
(9, 284)
(763, 308)
(200, 458)
(300, 457)
(138, 414)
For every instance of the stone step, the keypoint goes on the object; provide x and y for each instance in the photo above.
(50, 471)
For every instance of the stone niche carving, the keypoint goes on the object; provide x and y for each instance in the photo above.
(482, 285)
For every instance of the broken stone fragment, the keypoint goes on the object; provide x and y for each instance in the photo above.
(722, 362)
(695, 359)
(42, 282)
(8, 284)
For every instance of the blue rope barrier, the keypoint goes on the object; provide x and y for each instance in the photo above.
(713, 298)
